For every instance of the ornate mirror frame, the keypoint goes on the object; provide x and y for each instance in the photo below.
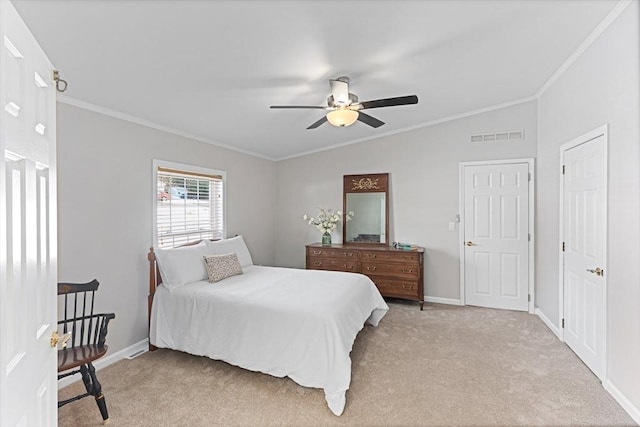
(372, 192)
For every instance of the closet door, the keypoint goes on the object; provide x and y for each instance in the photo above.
(496, 235)
(584, 225)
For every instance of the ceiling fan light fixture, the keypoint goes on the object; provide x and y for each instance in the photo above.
(342, 117)
(344, 108)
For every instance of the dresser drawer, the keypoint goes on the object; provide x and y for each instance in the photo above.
(390, 256)
(316, 263)
(399, 270)
(332, 253)
(396, 288)
(396, 273)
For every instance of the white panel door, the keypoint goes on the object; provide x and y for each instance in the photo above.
(584, 226)
(496, 229)
(28, 363)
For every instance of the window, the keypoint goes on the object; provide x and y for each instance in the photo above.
(189, 204)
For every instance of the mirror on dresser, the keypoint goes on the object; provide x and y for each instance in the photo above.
(367, 196)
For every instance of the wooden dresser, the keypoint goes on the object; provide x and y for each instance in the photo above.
(397, 273)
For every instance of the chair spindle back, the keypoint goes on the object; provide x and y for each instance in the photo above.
(79, 319)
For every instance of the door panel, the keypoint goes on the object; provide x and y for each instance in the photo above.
(509, 275)
(482, 272)
(510, 217)
(496, 251)
(590, 304)
(482, 217)
(28, 369)
(584, 225)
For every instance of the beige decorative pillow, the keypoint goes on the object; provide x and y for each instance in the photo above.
(222, 266)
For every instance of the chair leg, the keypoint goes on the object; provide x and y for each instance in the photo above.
(86, 379)
(97, 393)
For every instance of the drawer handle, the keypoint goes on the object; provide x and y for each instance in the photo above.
(317, 252)
(348, 267)
(408, 287)
(371, 268)
(317, 263)
(407, 271)
(348, 254)
(372, 255)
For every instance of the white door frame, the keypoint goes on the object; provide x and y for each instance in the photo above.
(531, 162)
(600, 131)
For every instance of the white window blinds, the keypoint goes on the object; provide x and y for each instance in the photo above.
(189, 207)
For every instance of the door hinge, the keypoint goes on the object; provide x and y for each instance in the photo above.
(529, 176)
(562, 169)
(562, 323)
(529, 236)
(562, 246)
(529, 297)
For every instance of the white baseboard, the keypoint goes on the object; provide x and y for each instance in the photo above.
(438, 300)
(548, 322)
(110, 359)
(631, 409)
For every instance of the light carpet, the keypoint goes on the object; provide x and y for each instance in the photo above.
(443, 366)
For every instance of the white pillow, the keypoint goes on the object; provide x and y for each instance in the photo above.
(182, 265)
(234, 244)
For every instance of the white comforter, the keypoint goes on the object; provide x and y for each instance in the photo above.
(280, 321)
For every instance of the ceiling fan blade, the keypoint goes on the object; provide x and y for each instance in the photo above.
(340, 91)
(318, 123)
(371, 121)
(298, 106)
(389, 102)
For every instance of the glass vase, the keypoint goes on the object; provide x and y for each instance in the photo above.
(326, 238)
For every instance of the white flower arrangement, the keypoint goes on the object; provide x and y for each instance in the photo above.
(327, 219)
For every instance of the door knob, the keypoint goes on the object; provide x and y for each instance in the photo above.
(597, 271)
(59, 341)
(470, 243)
(54, 338)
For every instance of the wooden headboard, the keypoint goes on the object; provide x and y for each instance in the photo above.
(154, 282)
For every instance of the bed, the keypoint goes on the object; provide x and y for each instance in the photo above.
(280, 321)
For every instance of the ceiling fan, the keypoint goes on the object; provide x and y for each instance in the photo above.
(344, 109)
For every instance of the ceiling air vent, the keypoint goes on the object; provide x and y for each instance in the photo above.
(502, 136)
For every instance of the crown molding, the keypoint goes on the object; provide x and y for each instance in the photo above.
(419, 126)
(147, 123)
(602, 26)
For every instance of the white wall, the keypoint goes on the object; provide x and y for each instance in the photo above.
(601, 87)
(105, 207)
(423, 168)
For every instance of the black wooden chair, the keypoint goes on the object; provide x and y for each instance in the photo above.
(85, 334)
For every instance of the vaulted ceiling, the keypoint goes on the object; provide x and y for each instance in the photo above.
(211, 69)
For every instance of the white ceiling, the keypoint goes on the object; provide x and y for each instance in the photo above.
(211, 69)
